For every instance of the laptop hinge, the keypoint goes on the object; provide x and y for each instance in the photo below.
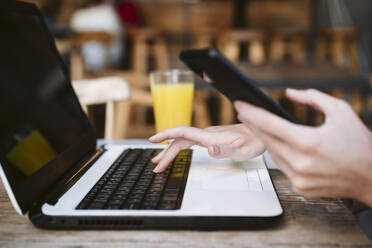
(73, 176)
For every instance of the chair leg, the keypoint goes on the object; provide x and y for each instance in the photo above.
(231, 50)
(109, 122)
(122, 113)
(201, 115)
(76, 65)
(338, 51)
(161, 54)
(297, 50)
(227, 113)
(353, 56)
(256, 52)
(320, 49)
(140, 55)
(277, 49)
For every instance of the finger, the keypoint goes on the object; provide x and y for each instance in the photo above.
(186, 143)
(190, 133)
(170, 154)
(280, 152)
(324, 191)
(314, 98)
(270, 141)
(167, 157)
(283, 164)
(207, 78)
(315, 186)
(291, 157)
(158, 157)
(268, 122)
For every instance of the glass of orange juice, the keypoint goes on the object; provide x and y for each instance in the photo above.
(172, 93)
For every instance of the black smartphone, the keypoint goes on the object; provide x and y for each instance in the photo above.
(230, 81)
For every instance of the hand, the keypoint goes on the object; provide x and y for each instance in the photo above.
(332, 160)
(234, 141)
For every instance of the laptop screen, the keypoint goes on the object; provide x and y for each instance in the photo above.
(43, 131)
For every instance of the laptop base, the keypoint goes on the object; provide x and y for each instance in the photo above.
(209, 223)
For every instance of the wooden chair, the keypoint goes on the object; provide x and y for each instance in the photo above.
(338, 44)
(202, 39)
(148, 42)
(115, 93)
(229, 43)
(137, 76)
(74, 43)
(287, 43)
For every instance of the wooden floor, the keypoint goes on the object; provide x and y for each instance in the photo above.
(306, 223)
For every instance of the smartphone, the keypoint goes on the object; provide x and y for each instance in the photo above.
(228, 80)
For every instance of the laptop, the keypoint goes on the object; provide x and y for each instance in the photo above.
(53, 170)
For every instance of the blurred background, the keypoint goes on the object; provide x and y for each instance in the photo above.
(110, 46)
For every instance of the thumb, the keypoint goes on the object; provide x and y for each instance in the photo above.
(314, 98)
(220, 151)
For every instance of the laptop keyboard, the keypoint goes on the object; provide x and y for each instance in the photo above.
(130, 183)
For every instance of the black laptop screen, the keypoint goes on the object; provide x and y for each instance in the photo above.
(41, 119)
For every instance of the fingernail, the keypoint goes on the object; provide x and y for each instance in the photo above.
(291, 90)
(216, 149)
(207, 78)
(156, 169)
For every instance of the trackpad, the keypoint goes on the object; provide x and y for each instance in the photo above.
(224, 179)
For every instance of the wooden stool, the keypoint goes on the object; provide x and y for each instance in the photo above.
(203, 38)
(115, 93)
(287, 42)
(77, 67)
(340, 44)
(146, 42)
(228, 42)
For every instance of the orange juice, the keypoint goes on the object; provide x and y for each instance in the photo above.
(172, 104)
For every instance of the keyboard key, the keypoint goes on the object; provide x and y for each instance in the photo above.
(96, 205)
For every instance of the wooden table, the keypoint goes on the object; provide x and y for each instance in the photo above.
(306, 223)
